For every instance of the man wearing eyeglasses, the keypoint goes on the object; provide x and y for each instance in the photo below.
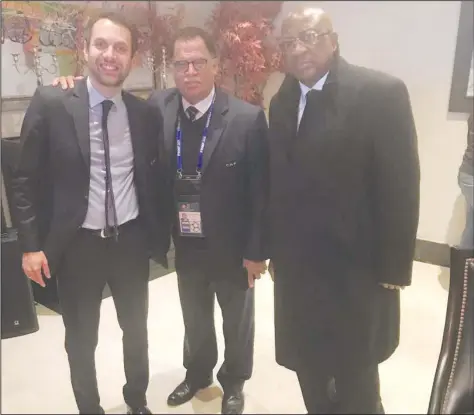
(343, 213)
(217, 146)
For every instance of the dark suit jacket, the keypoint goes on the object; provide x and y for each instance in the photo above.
(344, 209)
(51, 179)
(235, 176)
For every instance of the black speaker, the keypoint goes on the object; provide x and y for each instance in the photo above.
(9, 156)
(18, 308)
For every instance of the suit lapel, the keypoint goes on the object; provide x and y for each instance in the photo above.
(284, 121)
(338, 93)
(77, 105)
(135, 123)
(216, 127)
(169, 122)
(286, 111)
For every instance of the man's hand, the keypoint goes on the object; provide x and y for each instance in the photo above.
(391, 287)
(33, 263)
(66, 82)
(254, 270)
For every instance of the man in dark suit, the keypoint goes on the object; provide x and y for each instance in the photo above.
(99, 147)
(217, 150)
(343, 216)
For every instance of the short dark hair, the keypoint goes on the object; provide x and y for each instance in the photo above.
(117, 18)
(191, 32)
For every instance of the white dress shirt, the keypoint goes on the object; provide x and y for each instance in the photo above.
(121, 162)
(318, 86)
(201, 106)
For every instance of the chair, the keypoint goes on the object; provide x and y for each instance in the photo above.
(453, 386)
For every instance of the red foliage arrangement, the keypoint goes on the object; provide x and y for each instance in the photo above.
(79, 39)
(242, 28)
(247, 54)
(164, 29)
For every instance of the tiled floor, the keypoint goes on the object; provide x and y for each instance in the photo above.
(35, 374)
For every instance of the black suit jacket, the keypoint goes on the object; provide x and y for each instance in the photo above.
(51, 178)
(235, 176)
(344, 209)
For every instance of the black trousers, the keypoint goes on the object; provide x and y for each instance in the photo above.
(349, 391)
(197, 291)
(89, 263)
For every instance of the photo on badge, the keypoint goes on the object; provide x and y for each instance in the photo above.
(189, 217)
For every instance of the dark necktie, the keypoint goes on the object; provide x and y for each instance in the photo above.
(191, 112)
(110, 223)
(313, 102)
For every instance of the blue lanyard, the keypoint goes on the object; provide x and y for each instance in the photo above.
(201, 149)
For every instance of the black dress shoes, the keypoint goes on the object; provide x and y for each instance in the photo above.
(142, 410)
(233, 402)
(185, 391)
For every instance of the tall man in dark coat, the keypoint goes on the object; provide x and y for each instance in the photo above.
(343, 216)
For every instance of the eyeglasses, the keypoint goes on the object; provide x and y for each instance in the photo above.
(183, 66)
(308, 37)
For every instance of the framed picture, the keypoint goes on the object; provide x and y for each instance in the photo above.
(43, 40)
(461, 99)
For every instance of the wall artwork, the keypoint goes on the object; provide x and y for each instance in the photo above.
(462, 85)
(44, 39)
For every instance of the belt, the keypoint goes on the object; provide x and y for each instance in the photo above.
(105, 233)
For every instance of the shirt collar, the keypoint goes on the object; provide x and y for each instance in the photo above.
(96, 98)
(318, 86)
(201, 106)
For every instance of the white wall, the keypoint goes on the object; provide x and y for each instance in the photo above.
(415, 41)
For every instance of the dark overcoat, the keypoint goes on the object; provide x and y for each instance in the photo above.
(344, 207)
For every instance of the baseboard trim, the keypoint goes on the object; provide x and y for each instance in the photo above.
(432, 253)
